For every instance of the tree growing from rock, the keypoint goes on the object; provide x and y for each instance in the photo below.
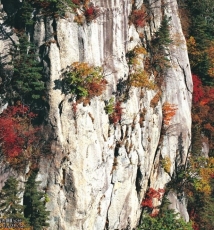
(10, 202)
(34, 201)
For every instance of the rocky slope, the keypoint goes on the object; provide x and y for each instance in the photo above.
(100, 172)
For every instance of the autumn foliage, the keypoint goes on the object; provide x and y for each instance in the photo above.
(16, 131)
(91, 13)
(198, 91)
(115, 117)
(169, 111)
(150, 195)
(139, 17)
(202, 111)
(85, 81)
(76, 2)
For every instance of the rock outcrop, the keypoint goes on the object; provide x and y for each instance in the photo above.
(99, 172)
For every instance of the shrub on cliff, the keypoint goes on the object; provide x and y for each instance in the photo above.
(18, 137)
(168, 220)
(161, 218)
(114, 110)
(84, 81)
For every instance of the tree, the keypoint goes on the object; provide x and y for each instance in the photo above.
(27, 80)
(84, 81)
(18, 137)
(34, 201)
(10, 201)
(159, 45)
(164, 218)
(163, 33)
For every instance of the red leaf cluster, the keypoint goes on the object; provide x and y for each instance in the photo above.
(198, 91)
(91, 13)
(16, 131)
(115, 117)
(76, 2)
(96, 88)
(194, 218)
(138, 17)
(150, 195)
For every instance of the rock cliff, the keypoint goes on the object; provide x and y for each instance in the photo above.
(99, 172)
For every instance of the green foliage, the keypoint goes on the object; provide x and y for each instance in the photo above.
(85, 81)
(202, 20)
(109, 108)
(56, 8)
(164, 219)
(27, 78)
(25, 13)
(34, 202)
(159, 60)
(206, 213)
(162, 36)
(10, 201)
(167, 221)
(61, 6)
(202, 29)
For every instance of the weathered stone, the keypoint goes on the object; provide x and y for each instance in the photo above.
(99, 172)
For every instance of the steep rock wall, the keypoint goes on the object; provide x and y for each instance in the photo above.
(99, 172)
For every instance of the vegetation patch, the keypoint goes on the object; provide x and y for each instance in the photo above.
(84, 81)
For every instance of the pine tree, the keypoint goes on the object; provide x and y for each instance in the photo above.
(163, 34)
(34, 201)
(10, 205)
(27, 80)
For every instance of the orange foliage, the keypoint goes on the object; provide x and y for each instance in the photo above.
(169, 111)
(155, 99)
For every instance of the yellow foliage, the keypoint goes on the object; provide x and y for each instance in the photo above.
(140, 50)
(195, 54)
(204, 169)
(210, 53)
(134, 55)
(203, 186)
(166, 163)
(141, 79)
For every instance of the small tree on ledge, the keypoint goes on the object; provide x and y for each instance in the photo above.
(10, 205)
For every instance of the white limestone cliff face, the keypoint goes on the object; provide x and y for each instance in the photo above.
(99, 172)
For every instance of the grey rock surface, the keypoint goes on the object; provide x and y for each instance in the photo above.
(100, 172)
